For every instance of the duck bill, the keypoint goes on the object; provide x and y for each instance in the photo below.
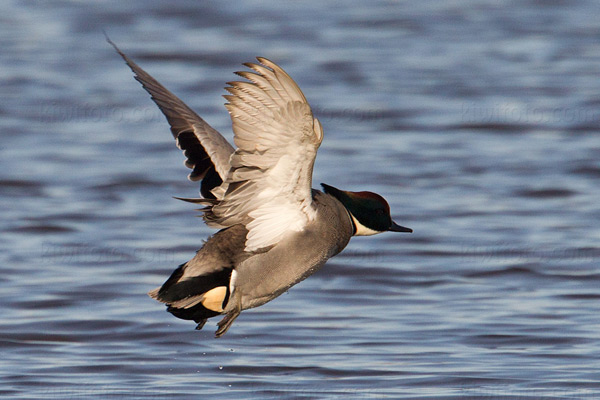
(397, 228)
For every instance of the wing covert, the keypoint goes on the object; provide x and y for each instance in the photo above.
(268, 188)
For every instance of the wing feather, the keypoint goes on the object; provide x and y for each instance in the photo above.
(268, 188)
(208, 153)
(265, 184)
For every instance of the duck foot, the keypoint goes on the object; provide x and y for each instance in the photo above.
(225, 323)
(200, 324)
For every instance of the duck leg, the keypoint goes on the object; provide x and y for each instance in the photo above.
(200, 324)
(226, 322)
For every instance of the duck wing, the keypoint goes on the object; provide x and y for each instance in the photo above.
(268, 188)
(208, 153)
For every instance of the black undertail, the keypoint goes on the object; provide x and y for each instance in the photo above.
(174, 290)
(199, 314)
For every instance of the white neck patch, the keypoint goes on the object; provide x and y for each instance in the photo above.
(362, 230)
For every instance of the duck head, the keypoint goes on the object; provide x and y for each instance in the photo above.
(369, 211)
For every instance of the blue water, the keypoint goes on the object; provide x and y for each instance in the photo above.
(478, 121)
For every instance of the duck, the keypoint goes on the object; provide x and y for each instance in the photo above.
(274, 229)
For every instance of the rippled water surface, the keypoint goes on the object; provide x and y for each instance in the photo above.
(477, 120)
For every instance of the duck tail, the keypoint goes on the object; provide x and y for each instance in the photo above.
(161, 293)
(195, 297)
(154, 293)
(200, 200)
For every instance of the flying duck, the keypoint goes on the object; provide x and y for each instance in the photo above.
(275, 230)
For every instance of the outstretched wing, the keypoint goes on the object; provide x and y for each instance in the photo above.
(208, 152)
(268, 188)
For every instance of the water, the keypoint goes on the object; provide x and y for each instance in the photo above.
(477, 120)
